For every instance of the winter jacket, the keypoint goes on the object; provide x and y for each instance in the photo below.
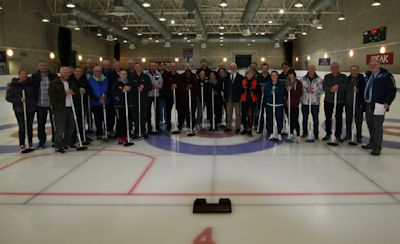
(37, 78)
(250, 91)
(169, 80)
(233, 89)
(329, 81)
(183, 89)
(383, 87)
(155, 78)
(358, 82)
(119, 96)
(137, 81)
(14, 95)
(98, 88)
(295, 94)
(279, 93)
(81, 83)
(317, 86)
(57, 93)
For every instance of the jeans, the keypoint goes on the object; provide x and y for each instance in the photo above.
(41, 116)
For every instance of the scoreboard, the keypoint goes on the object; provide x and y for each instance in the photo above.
(374, 35)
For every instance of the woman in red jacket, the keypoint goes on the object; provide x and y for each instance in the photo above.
(248, 101)
(295, 87)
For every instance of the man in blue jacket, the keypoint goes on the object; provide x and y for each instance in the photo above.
(380, 90)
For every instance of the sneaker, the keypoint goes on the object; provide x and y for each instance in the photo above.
(21, 148)
(271, 137)
(368, 146)
(41, 146)
(120, 140)
(376, 152)
(279, 137)
(326, 138)
(60, 150)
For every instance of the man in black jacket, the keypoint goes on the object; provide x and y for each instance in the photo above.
(356, 85)
(232, 91)
(141, 84)
(380, 90)
(41, 80)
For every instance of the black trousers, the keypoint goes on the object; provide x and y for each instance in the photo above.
(150, 104)
(98, 114)
(186, 115)
(21, 126)
(359, 114)
(328, 107)
(294, 119)
(314, 113)
(247, 114)
(169, 104)
(41, 116)
(120, 130)
(65, 127)
(278, 117)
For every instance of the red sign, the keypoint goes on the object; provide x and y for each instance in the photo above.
(384, 58)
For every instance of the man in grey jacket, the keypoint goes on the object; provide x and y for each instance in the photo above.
(334, 82)
(157, 82)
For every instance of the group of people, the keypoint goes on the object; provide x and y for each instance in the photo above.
(107, 93)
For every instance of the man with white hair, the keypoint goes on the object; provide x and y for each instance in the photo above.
(61, 91)
(232, 93)
(312, 90)
(380, 91)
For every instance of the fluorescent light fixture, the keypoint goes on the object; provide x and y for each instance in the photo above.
(299, 4)
(223, 3)
(376, 3)
(10, 52)
(146, 4)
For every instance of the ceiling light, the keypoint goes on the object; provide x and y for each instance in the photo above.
(297, 59)
(285, 40)
(45, 20)
(157, 41)
(176, 59)
(70, 4)
(376, 3)
(80, 58)
(146, 4)
(172, 22)
(180, 33)
(52, 55)
(125, 27)
(125, 41)
(325, 55)
(253, 40)
(221, 40)
(143, 60)
(224, 59)
(139, 34)
(150, 38)
(115, 39)
(1, 7)
(281, 11)
(270, 21)
(262, 59)
(167, 44)
(320, 27)
(248, 44)
(221, 27)
(162, 18)
(351, 53)
(308, 57)
(223, 3)
(341, 17)
(188, 40)
(101, 59)
(10, 52)
(262, 33)
(221, 37)
(304, 33)
(299, 4)
(185, 38)
(77, 28)
(99, 34)
(382, 50)
(221, 44)
(221, 33)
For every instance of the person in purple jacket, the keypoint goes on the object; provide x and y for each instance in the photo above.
(14, 96)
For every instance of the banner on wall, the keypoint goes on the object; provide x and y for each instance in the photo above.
(188, 53)
(384, 58)
(324, 62)
(3, 63)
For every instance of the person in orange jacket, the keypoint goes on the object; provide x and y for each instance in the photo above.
(248, 100)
